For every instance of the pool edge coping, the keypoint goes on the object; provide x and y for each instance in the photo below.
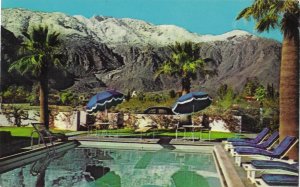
(227, 171)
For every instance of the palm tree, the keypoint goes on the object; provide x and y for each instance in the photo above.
(184, 62)
(38, 55)
(284, 14)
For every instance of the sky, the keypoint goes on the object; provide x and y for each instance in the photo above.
(199, 16)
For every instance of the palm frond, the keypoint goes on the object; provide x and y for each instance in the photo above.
(245, 13)
(266, 13)
(39, 36)
(291, 6)
(22, 65)
(57, 64)
(53, 40)
(38, 52)
(165, 68)
(267, 22)
(26, 35)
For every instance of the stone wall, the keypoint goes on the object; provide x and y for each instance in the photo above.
(77, 120)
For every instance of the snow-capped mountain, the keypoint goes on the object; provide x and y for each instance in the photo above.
(124, 53)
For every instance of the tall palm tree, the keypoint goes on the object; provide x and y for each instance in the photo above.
(38, 54)
(284, 14)
(184, 62)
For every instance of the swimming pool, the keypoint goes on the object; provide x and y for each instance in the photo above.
(136, 167)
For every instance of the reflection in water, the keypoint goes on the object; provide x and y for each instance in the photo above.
(39, 167)
(114, 167)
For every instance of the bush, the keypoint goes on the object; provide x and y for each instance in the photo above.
(141, 96)
(228, 99)
(15, 94)
(128, 96)
(172, 94)
(222, 91)
(260, 93)
(250, 87)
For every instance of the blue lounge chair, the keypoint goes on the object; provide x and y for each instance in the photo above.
(260, 137)
(278, 180)
(268, 166)
(279, 152)
(264, 145)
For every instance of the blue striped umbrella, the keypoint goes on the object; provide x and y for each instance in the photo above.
(191, 102)
(104, 100)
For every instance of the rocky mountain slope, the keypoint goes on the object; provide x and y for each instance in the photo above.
(124, 53)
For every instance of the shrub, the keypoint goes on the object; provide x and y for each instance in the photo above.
(222, 91)
(141, 96)
(260, 93)
(15, 94)
(68, 98)
(250, 87)
(228, 99)
(128, 96)
(172, 93)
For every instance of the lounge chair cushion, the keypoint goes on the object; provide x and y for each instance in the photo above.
(285, 144)
(264, 145)
(267, 164)
(280, 179)
(244, 143)
(238, 140)
(279, 151)
(256, 140)
(255, 151)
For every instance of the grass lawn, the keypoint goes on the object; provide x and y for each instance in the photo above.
(26, 132)
(204, 135)
(159, 133)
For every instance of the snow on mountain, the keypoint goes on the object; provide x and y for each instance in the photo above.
(109, 30)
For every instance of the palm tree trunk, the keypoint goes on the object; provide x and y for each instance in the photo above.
(44, 112)
(289, 91)
(186, 85)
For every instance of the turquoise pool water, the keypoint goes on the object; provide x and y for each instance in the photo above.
(87, 166)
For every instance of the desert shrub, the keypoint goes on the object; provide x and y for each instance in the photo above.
(68, 98)
(222, 90)
(33, 97)
(228, 99)
(260, 93)
(141, 96)
(250, 87)
(172, 93)
(15, 94)
(157, 98)
(128, 96)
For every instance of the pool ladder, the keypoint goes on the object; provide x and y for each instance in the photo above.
(41, 138)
